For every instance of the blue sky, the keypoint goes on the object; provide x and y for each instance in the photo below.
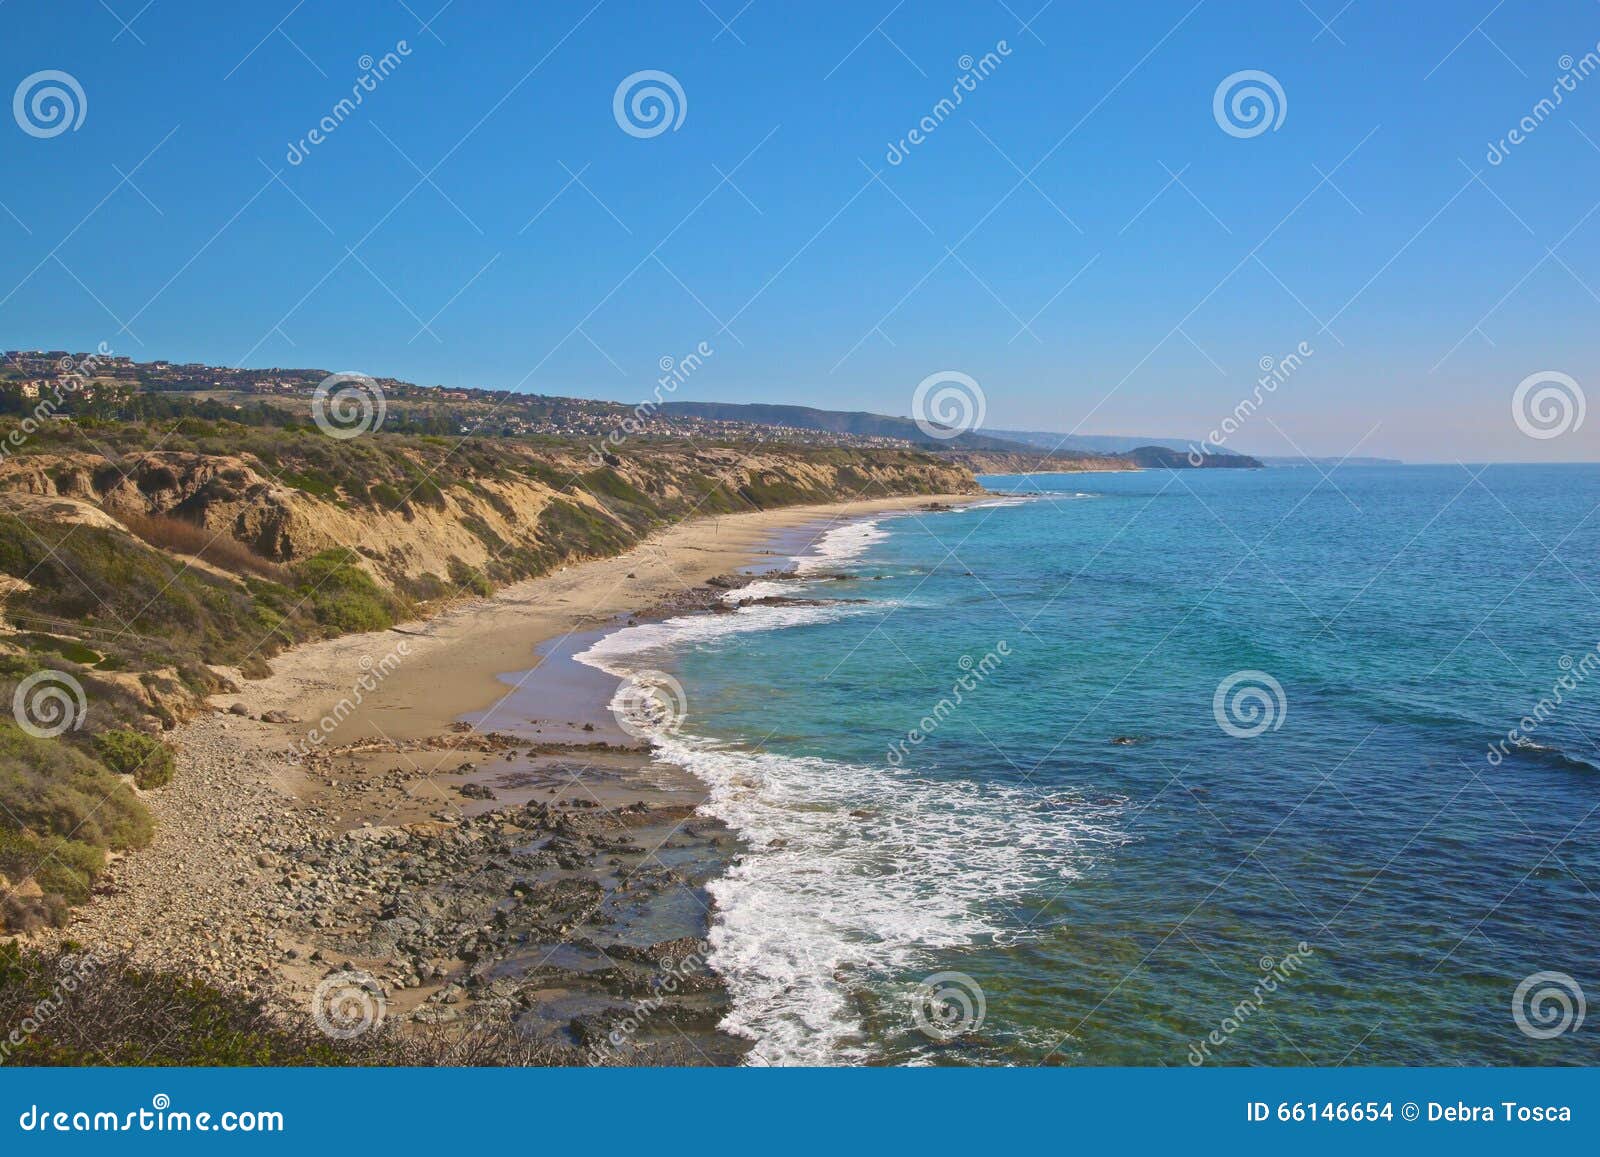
(1080, 236)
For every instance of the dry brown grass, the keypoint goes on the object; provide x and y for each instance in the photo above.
(219, 549)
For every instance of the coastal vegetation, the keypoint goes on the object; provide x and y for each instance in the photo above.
(146, 565)
(73, 1008)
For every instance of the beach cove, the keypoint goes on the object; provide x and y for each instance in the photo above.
(315, 807)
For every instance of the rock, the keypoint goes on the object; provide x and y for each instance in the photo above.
(277, 717)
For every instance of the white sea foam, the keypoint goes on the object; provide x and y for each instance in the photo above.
(840, 545)
(859, 873)
(620, 652)
(1009, 500)
(762, 589)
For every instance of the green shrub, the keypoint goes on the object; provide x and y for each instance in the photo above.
(134, 753)
(60, 812)
(468, 578)
(341, 595)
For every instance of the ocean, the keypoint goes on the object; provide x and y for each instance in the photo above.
(1162, 768)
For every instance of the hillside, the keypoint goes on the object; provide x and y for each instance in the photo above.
(858, 423)
(1034, 462)
(1163, 458)
(145, 565)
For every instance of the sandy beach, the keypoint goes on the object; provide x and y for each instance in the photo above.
(456, 655)
(390, 846)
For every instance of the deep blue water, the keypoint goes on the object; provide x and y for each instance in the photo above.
(1115, 902)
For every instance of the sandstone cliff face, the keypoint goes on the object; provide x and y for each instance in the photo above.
(453, 518)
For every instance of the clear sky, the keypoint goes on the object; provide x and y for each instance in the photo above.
(1081, 234)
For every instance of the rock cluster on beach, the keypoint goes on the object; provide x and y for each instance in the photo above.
(531, 910)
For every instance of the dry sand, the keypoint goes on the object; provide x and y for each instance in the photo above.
(454, 657)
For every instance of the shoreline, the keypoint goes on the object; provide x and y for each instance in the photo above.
(392, 848)
(467, 646)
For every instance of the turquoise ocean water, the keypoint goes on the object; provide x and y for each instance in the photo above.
(1333, 863)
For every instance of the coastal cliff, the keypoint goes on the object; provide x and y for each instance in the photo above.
(418, 512)
(142, 570)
